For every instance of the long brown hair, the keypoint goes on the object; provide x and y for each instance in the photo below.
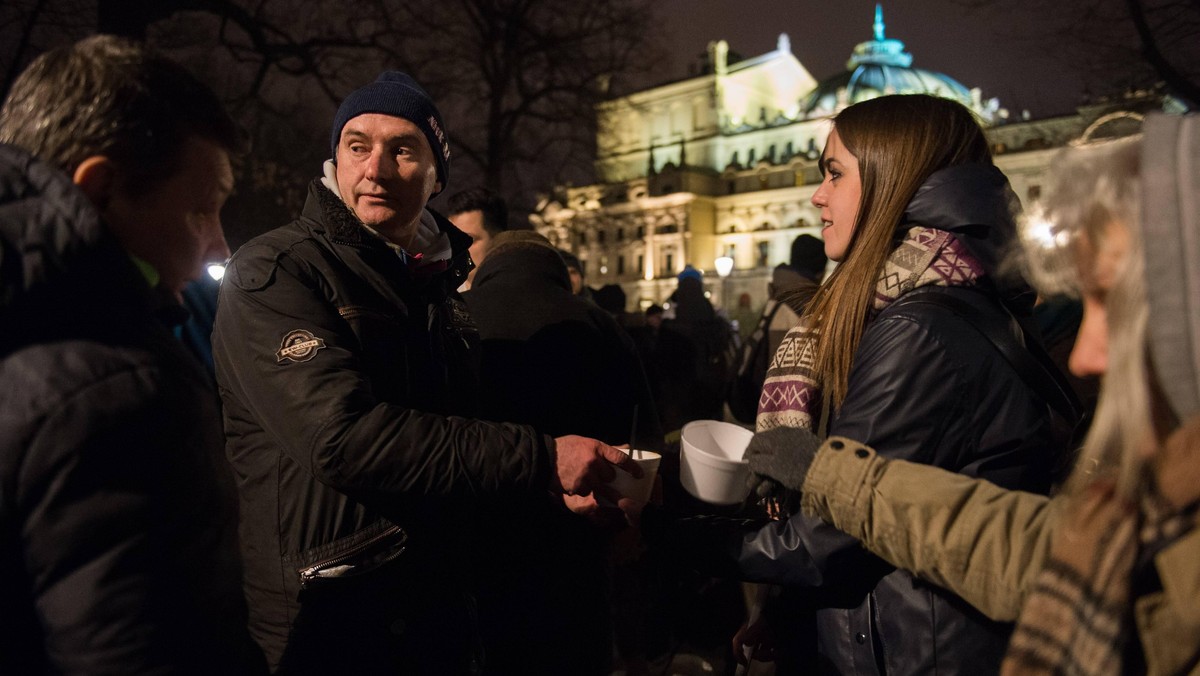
(898, 142)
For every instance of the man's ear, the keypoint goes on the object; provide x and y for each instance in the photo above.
(97, 177)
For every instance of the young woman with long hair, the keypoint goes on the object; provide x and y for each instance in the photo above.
(1104, 577)
(891, 352)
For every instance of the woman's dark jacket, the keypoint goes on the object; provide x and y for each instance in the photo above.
(928, 387)
(341, 368)
(118, 550)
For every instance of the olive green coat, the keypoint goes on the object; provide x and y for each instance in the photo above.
(987, 544)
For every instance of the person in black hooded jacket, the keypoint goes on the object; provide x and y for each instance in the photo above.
(915, 212)
(558, 362)
(118, 515)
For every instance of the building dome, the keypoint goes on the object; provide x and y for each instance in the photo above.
(881, 66)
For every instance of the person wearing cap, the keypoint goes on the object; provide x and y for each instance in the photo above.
(700, 387)
(345, 358)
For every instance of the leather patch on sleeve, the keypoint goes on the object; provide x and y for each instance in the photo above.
(298, 346)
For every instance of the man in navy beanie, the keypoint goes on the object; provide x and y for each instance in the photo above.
(345, 360)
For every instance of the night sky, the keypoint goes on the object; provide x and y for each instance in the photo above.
(1002, 49)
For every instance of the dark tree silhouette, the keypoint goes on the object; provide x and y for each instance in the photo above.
(517, 80)
(1120, 44)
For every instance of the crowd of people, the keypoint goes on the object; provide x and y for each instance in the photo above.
(399, 456)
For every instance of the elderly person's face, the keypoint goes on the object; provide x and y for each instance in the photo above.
(386, 173)
(1100, 263)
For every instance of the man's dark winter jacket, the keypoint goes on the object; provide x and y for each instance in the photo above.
(339, 367)
(925, 386)
(117, 509)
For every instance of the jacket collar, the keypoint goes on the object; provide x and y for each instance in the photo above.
(343, 227)
(972, 201)
(63, 266)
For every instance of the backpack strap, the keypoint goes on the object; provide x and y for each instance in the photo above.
(1018, 347)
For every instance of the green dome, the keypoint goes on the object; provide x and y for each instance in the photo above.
(878, 67)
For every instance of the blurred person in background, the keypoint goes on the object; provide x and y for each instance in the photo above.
(481, 214)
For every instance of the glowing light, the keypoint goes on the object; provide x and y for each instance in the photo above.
(1042, 231)
(724, 265)
(216, 271)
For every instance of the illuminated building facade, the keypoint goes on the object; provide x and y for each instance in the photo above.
(725, 164)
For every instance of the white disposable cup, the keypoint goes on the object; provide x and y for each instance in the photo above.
(637, 489)
(711, 465)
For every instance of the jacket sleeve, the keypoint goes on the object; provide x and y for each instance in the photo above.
(906, 399)
(321, 411)
(978, 540)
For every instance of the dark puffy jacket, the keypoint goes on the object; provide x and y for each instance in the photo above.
(339, 368)
(925, 386)
(117, 509)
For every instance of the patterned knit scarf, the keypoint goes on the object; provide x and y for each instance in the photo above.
(1078, 617)
(791, 395)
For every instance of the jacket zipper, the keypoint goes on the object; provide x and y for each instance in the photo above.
(313, 572)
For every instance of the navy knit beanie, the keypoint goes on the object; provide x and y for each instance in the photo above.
(395, 93)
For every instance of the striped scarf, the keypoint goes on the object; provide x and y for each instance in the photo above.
(791, 394)
(1078, 618)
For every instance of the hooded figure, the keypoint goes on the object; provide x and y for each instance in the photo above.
(560, 363)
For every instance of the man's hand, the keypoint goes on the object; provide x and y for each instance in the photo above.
(779, 459)
(582, 464)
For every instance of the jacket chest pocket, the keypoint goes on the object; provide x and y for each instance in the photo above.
(383, 347)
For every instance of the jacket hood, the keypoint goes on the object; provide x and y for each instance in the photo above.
(973, 201)
(57, 259)
(1170, 221)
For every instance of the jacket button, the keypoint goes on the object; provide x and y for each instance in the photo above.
(397, 627)
(860, 637)
(861, 453)
(836, 445)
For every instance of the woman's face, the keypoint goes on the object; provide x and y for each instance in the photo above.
(1099, 267)
(838, 197)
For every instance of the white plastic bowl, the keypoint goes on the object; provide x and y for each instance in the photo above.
(711, 464)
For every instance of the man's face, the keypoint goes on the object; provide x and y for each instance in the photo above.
(471, 223)
(576, 280)
(386, 173)
(176, 226)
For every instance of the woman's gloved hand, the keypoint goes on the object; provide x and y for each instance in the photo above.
(779, 460)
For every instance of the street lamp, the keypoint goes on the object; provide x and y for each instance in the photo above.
(724, 266)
